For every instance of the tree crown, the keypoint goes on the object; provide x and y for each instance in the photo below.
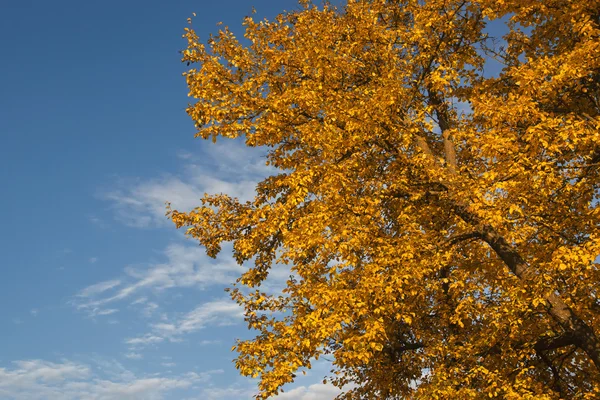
(441, 225)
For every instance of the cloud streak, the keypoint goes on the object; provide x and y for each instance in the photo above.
(68, 380)
(216, 313)
(312, 392)
(184, 267)
(229, 168)
(213, 313)
(99, 288)
(144, 340)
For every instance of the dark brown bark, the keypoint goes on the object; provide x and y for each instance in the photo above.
(582, 334)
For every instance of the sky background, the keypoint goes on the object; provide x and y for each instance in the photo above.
(100, 296)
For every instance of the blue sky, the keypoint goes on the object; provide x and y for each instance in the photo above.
(100, 297)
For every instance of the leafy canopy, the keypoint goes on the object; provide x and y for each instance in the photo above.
(441, 225)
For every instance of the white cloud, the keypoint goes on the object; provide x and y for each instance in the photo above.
(312, 392)
(142, 204)
(67, 380)
(106, 311)
(219, 312)
(144, 340)
(213, 313)
(134, 356)
(149, 309)
(209, 342)
(217, 393)
(93, 260)
(98, 288)
(227, 167)
(185, 266)
(147, 388)
(41, 370)
(140, 300)
(34, 312)
(316, 391)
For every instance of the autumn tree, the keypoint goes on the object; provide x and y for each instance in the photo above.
(441, 223)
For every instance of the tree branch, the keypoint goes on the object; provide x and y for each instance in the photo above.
(582, 334)
(441, 111)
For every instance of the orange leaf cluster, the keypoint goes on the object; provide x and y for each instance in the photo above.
(441, 226)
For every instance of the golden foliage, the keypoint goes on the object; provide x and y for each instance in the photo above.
(442, 226)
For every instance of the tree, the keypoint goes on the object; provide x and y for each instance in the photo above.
(442, 225)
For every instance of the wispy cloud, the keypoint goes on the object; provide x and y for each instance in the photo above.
(213, 313)
(230, 393)
(209, 342)
(140, 300)
(98, 288)
(134, 356)
(184, 267)
(141, 204)
(144, 340)
(316, 391)
(228, 167)
(312, 392)
(68, 380)
(106, 311)
(149, 309)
